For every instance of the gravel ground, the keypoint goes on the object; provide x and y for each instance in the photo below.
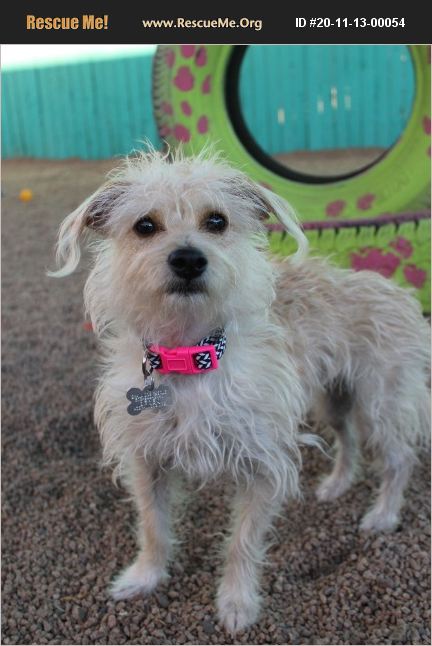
(67, 529)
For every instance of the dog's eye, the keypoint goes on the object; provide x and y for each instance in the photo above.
(145, 226)
(215, 222)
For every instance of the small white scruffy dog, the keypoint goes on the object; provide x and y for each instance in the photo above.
(180, 265)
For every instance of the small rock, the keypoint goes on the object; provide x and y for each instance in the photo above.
(208, 627)
(112, 621)
(173, 594)
(163, 600)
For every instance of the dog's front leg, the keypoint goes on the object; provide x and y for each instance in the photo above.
(149, 488)
(238, 598)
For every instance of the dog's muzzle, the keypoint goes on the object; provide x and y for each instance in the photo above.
(187, 263)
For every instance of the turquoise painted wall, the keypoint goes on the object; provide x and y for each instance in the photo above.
(88, 109)
(294, 98)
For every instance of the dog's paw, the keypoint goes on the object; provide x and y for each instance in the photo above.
(377, 520)
(332, 487)
(237, 616)
(237, 613)
(136, 579)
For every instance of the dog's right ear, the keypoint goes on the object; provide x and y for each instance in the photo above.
(265, 203)
(93, 214)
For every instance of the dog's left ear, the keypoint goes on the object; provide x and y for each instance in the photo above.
(94, 214)
(268, 203)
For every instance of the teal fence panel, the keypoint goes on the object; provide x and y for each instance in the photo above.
(87, 109)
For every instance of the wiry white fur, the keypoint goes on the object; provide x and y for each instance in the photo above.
(296, 331)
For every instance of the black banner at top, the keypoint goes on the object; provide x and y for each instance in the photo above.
(214, 23)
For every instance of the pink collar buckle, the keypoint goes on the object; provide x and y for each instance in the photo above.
(183, 359)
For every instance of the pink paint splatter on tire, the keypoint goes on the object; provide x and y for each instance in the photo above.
(202, 125)
(164, 131)
(181, 133)
(187, 50)
(333, 209)
(415, 276)
(374, 259)
(184, 79)
(201, 57)
(365, 201)
(166, 108)
(206, 85)
(427, 125)
(402, 246)
(186, 108)
(170, 58)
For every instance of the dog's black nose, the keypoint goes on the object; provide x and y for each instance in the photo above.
(187, 262)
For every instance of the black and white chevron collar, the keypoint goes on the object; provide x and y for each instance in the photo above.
(189, 359)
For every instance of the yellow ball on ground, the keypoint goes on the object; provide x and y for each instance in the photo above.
(26, 195)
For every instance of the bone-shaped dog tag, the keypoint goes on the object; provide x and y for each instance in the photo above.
(148, 397)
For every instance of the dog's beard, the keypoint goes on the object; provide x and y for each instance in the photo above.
(184, 288)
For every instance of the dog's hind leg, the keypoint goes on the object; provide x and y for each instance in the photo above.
(336, 411)
(238, 599)
(396, 470)
(394, 431)
(151, 495)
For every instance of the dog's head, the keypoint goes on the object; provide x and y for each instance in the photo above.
(176, 235)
